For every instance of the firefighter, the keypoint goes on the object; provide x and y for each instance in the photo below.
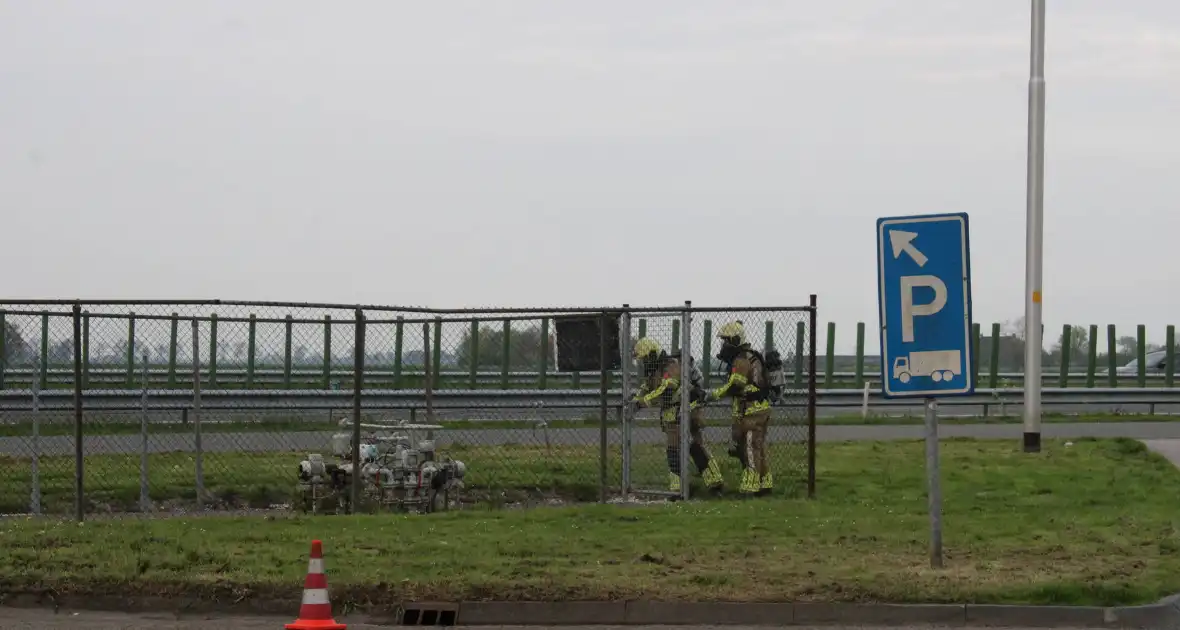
(749, 389)
(660, 387)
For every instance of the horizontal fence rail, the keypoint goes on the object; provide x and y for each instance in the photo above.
(373, 399)
(311, 378)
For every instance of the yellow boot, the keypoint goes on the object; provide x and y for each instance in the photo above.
(767, 486)
(750, 481)
(713, 477)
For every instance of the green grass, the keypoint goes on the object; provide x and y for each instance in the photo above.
(1092, 523)
(1048, 417)
(496, 475)
(509, 473)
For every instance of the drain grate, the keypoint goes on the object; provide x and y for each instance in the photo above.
(427, 616)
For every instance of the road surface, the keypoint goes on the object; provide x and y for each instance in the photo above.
(1169, 448)
(22, 619)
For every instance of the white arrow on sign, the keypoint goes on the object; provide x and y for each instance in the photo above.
(903, 242)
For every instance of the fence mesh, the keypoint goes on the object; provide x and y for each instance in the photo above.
(453, 410)
(37, 456)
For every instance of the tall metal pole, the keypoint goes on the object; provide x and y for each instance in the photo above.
(1034, 235)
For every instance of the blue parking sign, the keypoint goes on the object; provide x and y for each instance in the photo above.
(924, 290)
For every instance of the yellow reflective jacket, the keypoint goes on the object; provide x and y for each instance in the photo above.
(746, 386)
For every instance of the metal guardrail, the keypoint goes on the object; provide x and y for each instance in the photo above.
(314, 399)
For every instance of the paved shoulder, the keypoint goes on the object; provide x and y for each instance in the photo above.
(38, 619)
(1169, 448)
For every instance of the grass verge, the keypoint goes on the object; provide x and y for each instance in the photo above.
(1092, 523)
(496, 475)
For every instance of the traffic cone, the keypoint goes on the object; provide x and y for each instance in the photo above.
(316, 611)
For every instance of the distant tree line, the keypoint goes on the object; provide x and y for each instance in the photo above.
(524, 348)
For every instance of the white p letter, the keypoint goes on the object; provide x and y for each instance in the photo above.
(909, 310)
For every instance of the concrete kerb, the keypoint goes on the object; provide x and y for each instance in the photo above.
(1164, 614)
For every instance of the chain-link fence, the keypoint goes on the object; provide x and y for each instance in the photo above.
(166, 408)
(748, 386)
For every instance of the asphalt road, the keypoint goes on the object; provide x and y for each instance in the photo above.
(22, 619)
(317, 441)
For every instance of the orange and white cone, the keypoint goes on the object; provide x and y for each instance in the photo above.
(316, 611)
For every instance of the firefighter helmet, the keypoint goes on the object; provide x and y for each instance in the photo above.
(733, 332)
(646, 346)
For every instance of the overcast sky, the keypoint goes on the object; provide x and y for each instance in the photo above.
(541, 153)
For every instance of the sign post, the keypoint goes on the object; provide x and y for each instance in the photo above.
(924, 291)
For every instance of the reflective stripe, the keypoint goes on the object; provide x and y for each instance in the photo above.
(757, 407)
(315, 565)
(313, 596)
(734, 379)
(659, 391)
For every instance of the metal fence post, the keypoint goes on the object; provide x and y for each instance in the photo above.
(358, 377)
(685, 412)
(35, 498)
(287, 339)
(174, 323)
(398, 338)
(44, 364)
(144, 501)
(200, 464)
(427, 371)
(251, 349)
(85, 349)
(811, 396)
(79, 496)
(506, 354)
(213, 351)
(604, 379)
(130, 377)
(3, 346)
(625, 410)
(436, 357)
(327, 376)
